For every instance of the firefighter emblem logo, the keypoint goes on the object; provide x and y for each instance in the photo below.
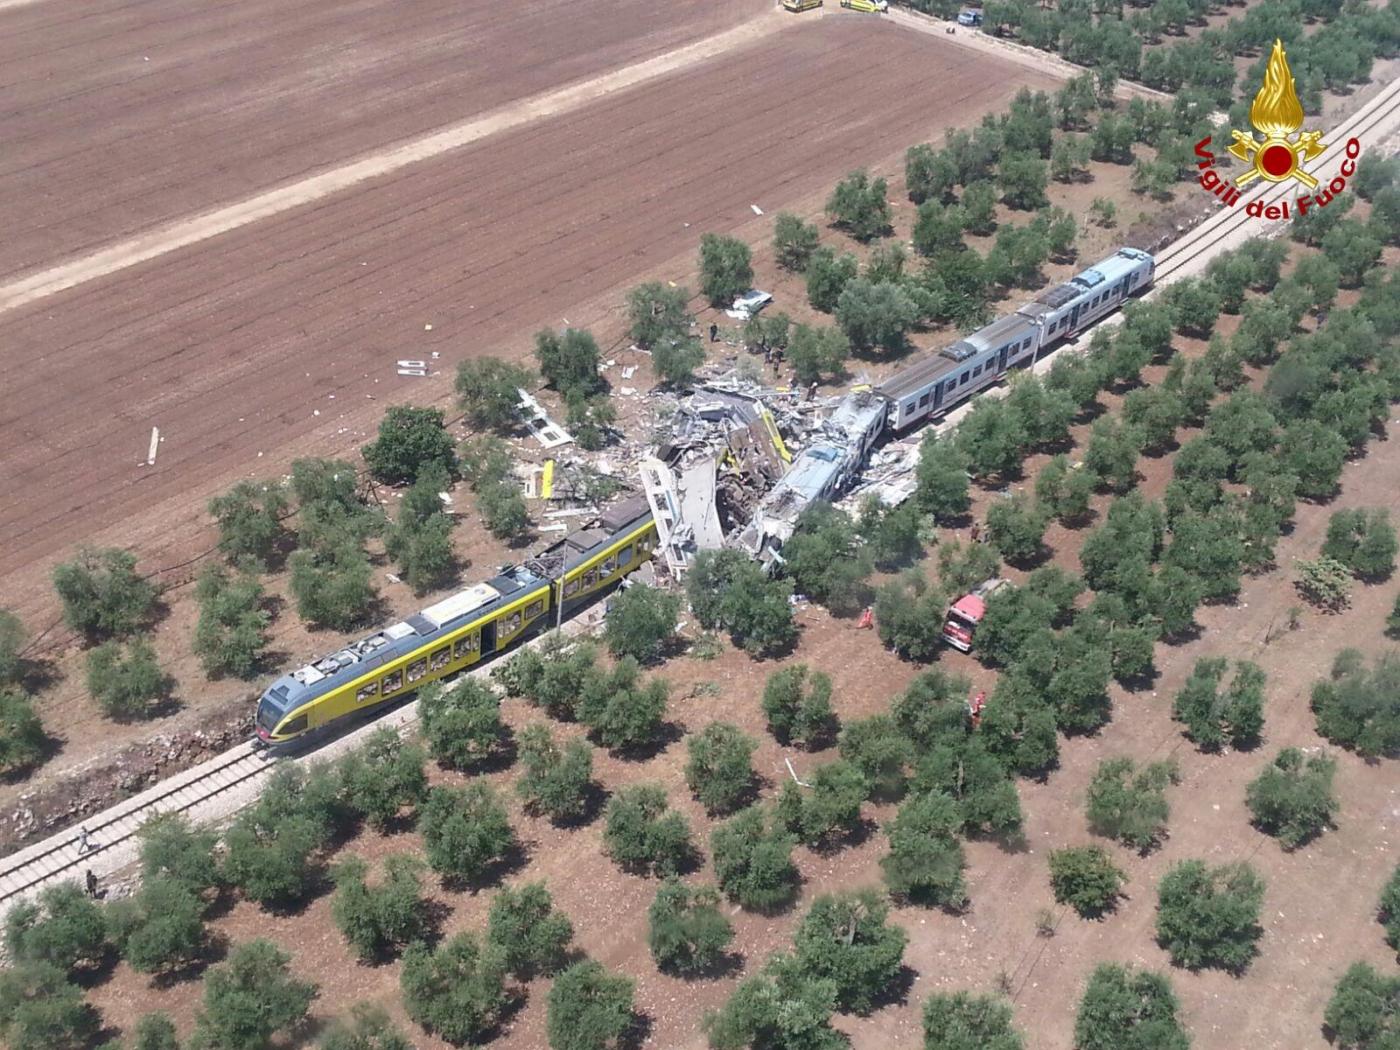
(1277, 114)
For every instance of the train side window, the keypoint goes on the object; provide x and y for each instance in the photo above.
(925, 399)
(624, 556)
(439, 659)
(417, 669)
(534, 609)
(510, 624)
(590, 578)
(976, 371)
(963, 380)
(296, 725)
(393, 682)
(609, 565)
(367, 692)
(465, 646)
(571, 587)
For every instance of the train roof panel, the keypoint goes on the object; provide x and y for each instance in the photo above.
(461, 603)
(1001, 331)
(615, 518)
(917, 376)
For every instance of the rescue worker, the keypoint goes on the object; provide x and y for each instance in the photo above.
(91, 884)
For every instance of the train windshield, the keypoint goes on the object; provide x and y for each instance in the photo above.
(268, 716)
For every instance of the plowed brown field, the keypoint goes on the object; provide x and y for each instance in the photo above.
(235, 346)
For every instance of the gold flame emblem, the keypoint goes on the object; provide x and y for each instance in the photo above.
(1277, 114)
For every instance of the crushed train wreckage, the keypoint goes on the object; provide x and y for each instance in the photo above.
(740, 462)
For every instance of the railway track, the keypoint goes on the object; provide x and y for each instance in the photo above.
(112, 834)
(1189, 255)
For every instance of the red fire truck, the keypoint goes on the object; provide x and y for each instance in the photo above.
(967, 613)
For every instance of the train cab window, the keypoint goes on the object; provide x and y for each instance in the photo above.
(439, 659)
(465, 646)
(366, 692)
(296, 725)
(624, 556)
(590, 578)
(393, 682)
(571, 587)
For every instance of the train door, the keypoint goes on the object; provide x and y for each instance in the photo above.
(1074, 318)
(488, 638)
(937, 396)
(1001, 359)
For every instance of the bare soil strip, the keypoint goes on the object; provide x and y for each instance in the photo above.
(384, 162)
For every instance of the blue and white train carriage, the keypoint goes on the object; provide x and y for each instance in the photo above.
(931, 387)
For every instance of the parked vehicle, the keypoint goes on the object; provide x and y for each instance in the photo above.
(970, 16)
(801, 5)
(875, 7)
(967, 612)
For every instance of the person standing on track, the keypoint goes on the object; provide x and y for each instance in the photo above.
(84, 846)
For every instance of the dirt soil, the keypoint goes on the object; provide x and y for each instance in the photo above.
(122, 114)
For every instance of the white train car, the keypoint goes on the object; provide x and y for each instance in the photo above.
(929, 388)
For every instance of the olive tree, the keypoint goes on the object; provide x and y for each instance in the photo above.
(1130, 804)
(1209, 917)
(466, 831)
(686, 931)
(753, 860)
(531, 934)
(1359, 709)
(720, 767)
(1292, 798)
(555, 781)
(251, 997)
(457, 991)
(102, 594)
(845, 938)
(589, 1009)
(1085, 878)
(643, 835)
(962, 1021)
(1126, 1009)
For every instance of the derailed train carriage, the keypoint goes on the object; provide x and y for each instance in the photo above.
(459, 631)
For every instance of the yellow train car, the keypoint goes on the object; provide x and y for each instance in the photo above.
(459, 631)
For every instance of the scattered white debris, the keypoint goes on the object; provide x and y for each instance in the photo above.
(155, 442)
(756, 209)
(626, 391)
(561, 527)
(446, 499)
(795, 777)
(629, 371)
(427, 328)
(392, 578)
